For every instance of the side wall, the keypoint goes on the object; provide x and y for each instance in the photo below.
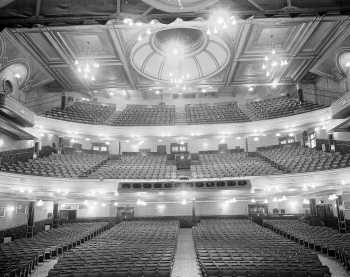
(13, 219)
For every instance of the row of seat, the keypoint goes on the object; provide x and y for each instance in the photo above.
(20, 257)
(57, 165)
(162, 114)
(231, 164)
(242, 248)
(214, 113)
(13, 156)
(145, 115)
(273, 160)
(320, 238)
(279, 107)
(132, 248)
(298, 159)
(83, 112)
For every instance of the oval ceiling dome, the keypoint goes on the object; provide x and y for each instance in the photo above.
(180, 5)
(16, 73)
(344, 62)
(202, 56)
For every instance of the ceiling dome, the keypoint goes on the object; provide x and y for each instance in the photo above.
(16, 73)
(180, 5)
(191, 38)
(344, 62)
(202, 56)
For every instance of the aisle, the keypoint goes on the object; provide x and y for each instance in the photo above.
(336, 269)
(42, 270)
(185, 258)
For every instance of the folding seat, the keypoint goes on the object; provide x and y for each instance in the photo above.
(299, 274)
(285, 273)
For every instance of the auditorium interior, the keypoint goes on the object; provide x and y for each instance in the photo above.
(175, 138)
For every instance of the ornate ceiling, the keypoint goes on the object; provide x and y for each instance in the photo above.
(227, 59)
(203, 56)
(180, 5)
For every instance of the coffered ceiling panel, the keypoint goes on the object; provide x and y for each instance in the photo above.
(249, 71)
(85, 44)
(44, 47)
(229, 58)
(110, 76)
(320, 34)
(267, 35)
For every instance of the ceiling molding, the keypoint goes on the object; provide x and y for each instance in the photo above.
(120, 49)
(238, 48)
(336, 36)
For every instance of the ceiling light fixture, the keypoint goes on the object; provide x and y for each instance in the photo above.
(273, 61)
(219, 21)
(87, 67)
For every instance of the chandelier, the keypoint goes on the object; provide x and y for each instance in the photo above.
(87, 67)
(220, 21)
(273, 61)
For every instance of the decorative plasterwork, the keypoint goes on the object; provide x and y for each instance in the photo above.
(305, 41)
(180, 5)
(18, 72)
(204, 57)
(343, 61)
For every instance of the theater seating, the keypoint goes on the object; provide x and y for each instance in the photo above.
(227, 248)
(278, 159)
(19, 258)
(214, 113)
(136, 167)
(133, 248)
(21, 231)
(231, 165)
(324, 239)
(141, 115)
(162, 114)
(64, 166)
(279, 107)
(13, 156)
(83, 112)
(299, 159)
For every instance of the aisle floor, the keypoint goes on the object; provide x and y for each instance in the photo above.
(336, 269)
(43, 269)
(185, 258)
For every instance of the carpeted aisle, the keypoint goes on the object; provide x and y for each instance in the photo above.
(185, 258)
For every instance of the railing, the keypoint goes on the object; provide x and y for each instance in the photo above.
(341, 106)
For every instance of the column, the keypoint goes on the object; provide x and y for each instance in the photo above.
(313, 207)
(56, 217)
(30, 222)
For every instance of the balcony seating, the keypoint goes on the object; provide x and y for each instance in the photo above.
(62, 166)
(231, 165)
(214, 113)
(243, 248)
(83, 112)
(136, 167)
(279, 107)
(277, 159)
(299, 159)
(143, 115)
(320, 238)
(136, 248)
(18, 258)
(164, 115)
(13, 156)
